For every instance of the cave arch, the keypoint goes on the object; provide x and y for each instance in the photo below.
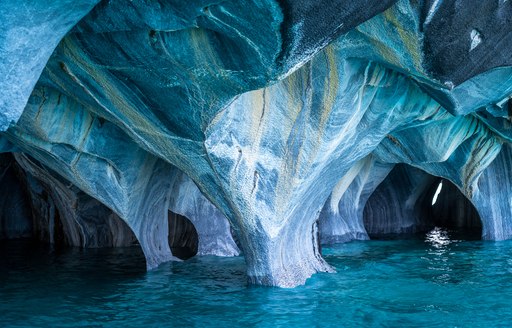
(52, 211)
(183, 237)
(214, 230)
(448, 207)
(43, 218)
(412, 201)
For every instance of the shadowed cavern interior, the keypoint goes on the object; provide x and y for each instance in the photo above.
(15, 215)
(183, 237)
(39, 205)
(447, 207)
(411, 201)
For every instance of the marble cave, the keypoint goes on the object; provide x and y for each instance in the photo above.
(261, 130)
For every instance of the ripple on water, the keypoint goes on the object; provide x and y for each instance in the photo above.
(438, 280)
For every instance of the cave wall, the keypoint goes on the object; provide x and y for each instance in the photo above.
(341, 219)
(213, 229)
(492, 197)
(63, 215)
(31, 30)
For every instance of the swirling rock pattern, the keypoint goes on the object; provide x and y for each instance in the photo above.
(272, 120)
(492, 197)
(30, 32)
(213, 229)
(341, 219)
(67, 216)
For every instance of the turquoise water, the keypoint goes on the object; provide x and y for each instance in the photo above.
(433, 280)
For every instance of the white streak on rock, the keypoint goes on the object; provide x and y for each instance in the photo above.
(476, 38)
(432, 11)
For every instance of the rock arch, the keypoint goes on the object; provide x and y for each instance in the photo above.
(404, 203)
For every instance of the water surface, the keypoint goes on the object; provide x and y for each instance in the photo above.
(436, 280)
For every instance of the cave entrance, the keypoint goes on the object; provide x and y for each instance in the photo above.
(183, 237)
(38, 204)
(44, 221)
(410, 201)
(448, 208)
(15, 214)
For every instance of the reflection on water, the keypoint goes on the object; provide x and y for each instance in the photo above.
(445, 264)
(440, 279)
(438, 238)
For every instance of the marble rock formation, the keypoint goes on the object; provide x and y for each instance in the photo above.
(268, 124)
(212, 227)
(64, 215)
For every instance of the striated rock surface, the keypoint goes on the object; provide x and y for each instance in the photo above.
(30, 32)
(277, 121)
(492, 197)
(341, 219)
(64, 215)
(212, 227)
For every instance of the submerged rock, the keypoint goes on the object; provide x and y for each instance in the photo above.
(277, 121)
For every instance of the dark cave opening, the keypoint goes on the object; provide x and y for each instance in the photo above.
(412, 202)
(22, 215)
(183, 237)
(15, 213)
(448, 208)
(74, 235)
(39, 209)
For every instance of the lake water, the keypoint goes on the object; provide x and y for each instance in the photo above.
(432, 280)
